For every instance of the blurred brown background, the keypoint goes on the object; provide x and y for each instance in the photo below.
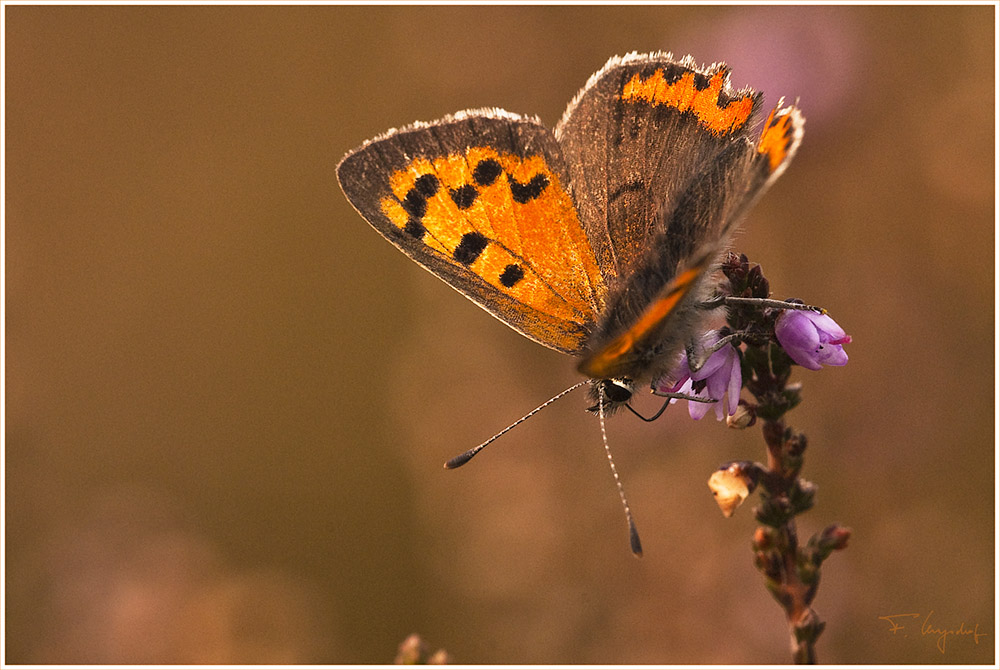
(228, 399)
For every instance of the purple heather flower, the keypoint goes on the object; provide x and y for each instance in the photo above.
(722, 376)
(811, 339)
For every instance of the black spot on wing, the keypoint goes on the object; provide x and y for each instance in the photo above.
(464, 196)
(470, 247)
(486, 172)
(523, 193)
(701, 81)
(511, 275)
(415, 229)
(415, 203)
(427, 185)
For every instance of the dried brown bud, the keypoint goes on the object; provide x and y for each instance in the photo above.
(743, 417)
(731, 484)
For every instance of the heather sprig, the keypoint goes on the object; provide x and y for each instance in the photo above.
(772, 338)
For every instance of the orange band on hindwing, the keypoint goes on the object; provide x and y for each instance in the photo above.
(685, 95)
(778, 137)
(604, 363)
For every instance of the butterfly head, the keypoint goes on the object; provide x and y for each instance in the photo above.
(612, 393)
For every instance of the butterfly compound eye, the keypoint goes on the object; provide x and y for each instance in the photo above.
(617, 390)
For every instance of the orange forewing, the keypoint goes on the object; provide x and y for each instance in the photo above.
(541, 237)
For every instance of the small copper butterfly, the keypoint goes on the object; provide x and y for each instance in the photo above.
(598, 238)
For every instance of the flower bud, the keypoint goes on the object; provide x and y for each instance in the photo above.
(743, 417)
(833, 538)
(812, 340)
(763, 538)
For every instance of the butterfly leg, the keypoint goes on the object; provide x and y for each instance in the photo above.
(736, 301)
(696, 362)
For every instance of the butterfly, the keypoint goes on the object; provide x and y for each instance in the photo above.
(598, 238)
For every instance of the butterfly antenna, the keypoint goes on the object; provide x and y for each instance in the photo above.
(633, 532)
(462, 459)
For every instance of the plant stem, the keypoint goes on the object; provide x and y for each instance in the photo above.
(794, 587)
(791, 573)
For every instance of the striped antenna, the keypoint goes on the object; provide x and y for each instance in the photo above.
(633, 532)
(464, 458)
